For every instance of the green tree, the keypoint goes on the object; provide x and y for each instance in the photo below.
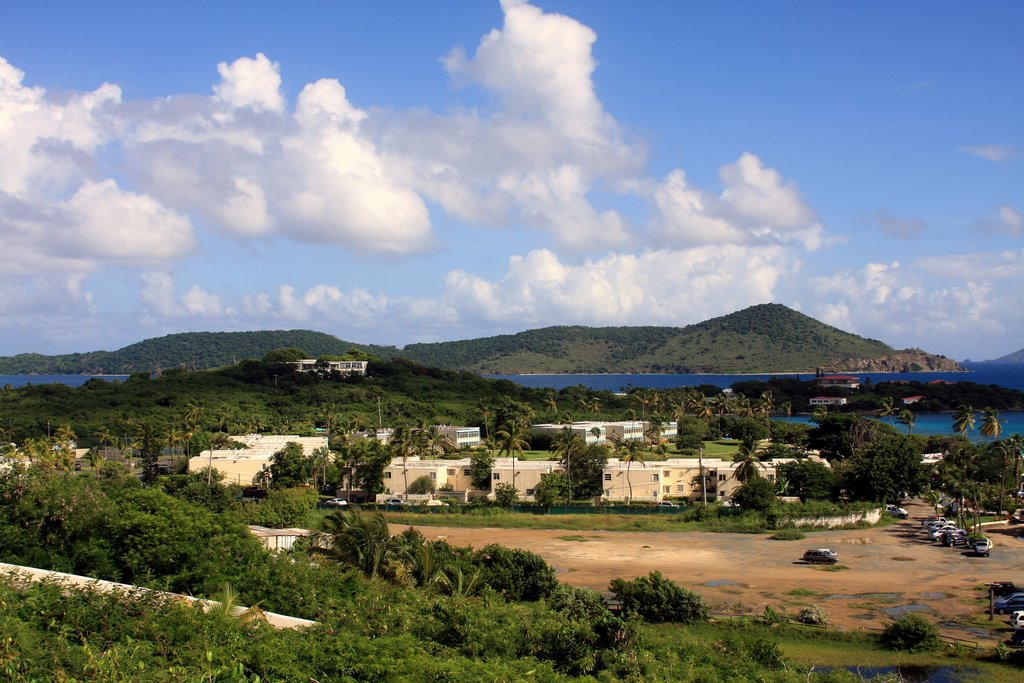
(553, 487)
(809, 479)
(991, 425)
(506, 494)
(757, 494)
(910, 633)
(480, 465)
(907, 419)
(885, 470)
(289, 466)
(586, 470)
(516, 574)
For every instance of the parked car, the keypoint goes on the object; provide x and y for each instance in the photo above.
(933, 520)
(982, 547)
(1017, 638)
(953, 538)
(1017, 619)
(896, 511)
(821, 556)
(335, 503)
(935, 533)
(394, 502)
(1010, 606)
(667, 504)
(1011, 596)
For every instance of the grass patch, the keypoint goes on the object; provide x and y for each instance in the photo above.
(791, 534)
(802, 592)
(832, 568)
(574, 537)
(903, 558)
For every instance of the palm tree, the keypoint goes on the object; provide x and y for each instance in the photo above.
(634, 453)
(934, 499)
(359, 540)
(991, 425)
(750, 464)
(485, 412)
(820, 413)
(963, 419)
(566, 443)
(402, 446)
(907, 419)
(551, 402)
(511, 440)
(765, 406)
(887, 409)
(722, 405)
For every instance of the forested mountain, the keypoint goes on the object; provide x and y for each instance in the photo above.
(764, 338)
(192, 350)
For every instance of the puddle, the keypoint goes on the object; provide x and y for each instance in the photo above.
(900, 610)
(972, 630)
(863, 596)
(934, 596)
(913, 674)
(720, 582)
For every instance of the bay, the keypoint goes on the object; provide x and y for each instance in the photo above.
(1009, 375)
(15, 381)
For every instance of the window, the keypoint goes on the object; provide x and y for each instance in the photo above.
(529, 492)
(721, 477)
(681, 488)
(668, 473)
(433, 475)
(668, 490)
(654, 477)
(607, 476)
(721, 494)
(654, 494)
(496, 476)
(467, 472)
(451, 472)
(771, 477)
(387, 475)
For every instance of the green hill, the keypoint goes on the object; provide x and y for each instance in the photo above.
(194, 350)
(763, 338)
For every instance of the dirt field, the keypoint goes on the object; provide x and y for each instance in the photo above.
(895, 568)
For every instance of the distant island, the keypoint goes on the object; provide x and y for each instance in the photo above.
(767, 338)
(1015, 357)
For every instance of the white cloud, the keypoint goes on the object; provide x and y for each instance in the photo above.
(253, 83)
(956, 298)
(160, 300)
(991, 152)
(755, 206)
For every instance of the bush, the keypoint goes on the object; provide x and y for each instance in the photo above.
(755, 494)
(910, 633)
(789, 534)
(812, 614)
(516, 574)
(422, 485)
(656, 599)
(584, 604)
(506, 495)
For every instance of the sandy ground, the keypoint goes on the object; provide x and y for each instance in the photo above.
(894, 568)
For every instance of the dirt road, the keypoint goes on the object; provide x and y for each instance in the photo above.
(882, 572)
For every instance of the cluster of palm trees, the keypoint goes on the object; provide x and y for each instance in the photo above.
(364, 541)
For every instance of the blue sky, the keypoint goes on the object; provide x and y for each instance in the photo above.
(395, 172)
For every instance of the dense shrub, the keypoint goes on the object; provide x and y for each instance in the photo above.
(281, 508)
(422, 485)
(910, 633)
(516, 574)
(656, 599)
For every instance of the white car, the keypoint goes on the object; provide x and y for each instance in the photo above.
(335, 503)
(933, 520)
(896, 511)
(982, 547)
(1017, 619)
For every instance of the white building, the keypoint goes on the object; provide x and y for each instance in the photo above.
(345, 367)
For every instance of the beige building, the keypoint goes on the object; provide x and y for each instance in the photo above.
(243, 466)
(346, 367)
(675, 478)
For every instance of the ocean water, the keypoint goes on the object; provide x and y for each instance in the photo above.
(16, 381)
(1010, 375)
